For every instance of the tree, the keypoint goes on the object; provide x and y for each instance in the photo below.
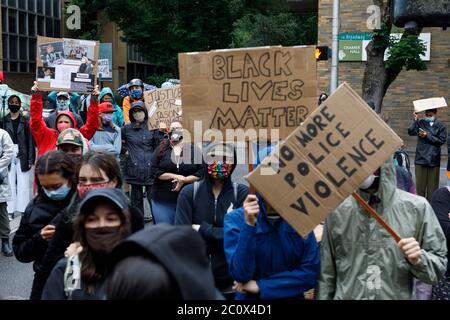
(90, 26)
(280, 28)
(161, 29)
(405, 54)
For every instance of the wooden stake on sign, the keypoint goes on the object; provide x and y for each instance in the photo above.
(375, 215)
(251, 189)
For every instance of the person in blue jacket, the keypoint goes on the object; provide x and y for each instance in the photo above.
(266, 256)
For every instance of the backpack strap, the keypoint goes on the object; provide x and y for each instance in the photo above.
(235, 191)
(195, 191)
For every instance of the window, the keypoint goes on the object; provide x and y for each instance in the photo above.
(23, 67)
(5, 46)
(12, 3)
(12, 21)
(31, 25)
(13, 66)
(4, 20)
(13, 48)
(48, 7)
(56, 11)
(22, 4)
(40, 6)
(32, 67)
(22, 23)
(40, 26)
(32, 49)
(31, 5)
(23, 48)
(57, 30)
(48, 27)
(5, 65)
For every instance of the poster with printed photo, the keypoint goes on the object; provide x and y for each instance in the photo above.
(67, 64)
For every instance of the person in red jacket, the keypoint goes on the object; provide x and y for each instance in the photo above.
(45, 137)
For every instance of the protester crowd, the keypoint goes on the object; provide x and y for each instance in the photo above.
(79, 179)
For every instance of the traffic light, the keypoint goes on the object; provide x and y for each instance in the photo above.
(421, 12)
(322, 53)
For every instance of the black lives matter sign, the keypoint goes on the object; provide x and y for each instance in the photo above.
(324, 160)
(254, 88)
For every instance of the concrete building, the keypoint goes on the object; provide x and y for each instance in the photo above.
(23, 20)
(409, 86)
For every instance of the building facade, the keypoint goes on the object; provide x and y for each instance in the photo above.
(409, 85)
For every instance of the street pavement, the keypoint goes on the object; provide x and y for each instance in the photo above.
(16, 278)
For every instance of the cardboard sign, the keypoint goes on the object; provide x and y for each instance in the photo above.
(105, 62)
(66, 64)
(324, 160)
(427, 104)
(251, 88)
(163, 105)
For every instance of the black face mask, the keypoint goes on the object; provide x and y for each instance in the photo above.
(13, 108)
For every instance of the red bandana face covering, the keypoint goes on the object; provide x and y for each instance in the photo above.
(219, 170)
(83, 189)
(63, 126)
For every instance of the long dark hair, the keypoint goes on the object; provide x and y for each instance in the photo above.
(93, 269)
(56, 162)
(106, 162)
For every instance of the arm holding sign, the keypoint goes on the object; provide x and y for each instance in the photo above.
(39, 129)
(239, 245)
(413, 129)
(92, 123)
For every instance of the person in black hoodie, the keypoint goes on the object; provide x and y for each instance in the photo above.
(440, 201)
(102, 223)
(139, 142)
(175, 263)
(219, 195)
(56, 180)
(98, 170)
(17, 125)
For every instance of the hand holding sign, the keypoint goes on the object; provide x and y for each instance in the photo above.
(251, 209)
(411, 249)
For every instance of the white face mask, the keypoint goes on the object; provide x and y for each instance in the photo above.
(368, 182)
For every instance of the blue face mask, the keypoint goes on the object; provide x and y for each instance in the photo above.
(136, 94)
(429, 119)
(59, 194)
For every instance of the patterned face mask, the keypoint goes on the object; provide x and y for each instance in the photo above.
(219, 170)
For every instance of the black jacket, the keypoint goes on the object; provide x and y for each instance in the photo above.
(209, 214)
(27, 151)
(28, 245)
(162, 163)
(140, 142)
(54, 288)
(428, 150)
(64, 233)
(180, 250)
(440, 201)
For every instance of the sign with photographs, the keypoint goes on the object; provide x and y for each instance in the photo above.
(66, 64)
(105, 62)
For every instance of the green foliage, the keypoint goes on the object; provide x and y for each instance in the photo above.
(162, 29)
(90, 26)
(158, 79)
(406, 54)
(280, 28)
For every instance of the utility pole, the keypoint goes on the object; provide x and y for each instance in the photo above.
(335, 47)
